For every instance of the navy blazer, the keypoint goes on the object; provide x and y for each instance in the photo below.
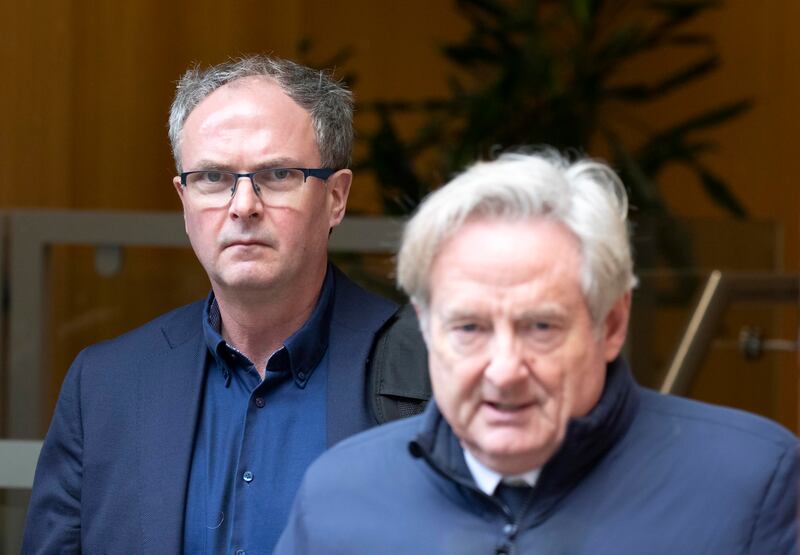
(113, 473)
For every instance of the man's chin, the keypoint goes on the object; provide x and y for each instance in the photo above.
(245, 282)
(248, 252)
(516, 451)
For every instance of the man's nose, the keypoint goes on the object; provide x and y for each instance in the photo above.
(507, 364)
(246, 201)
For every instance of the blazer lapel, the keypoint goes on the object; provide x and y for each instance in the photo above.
(169, 396)
(348, 411)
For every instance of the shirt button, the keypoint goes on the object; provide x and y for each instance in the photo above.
(247, 476)
(240, 552)
(260, 402)
(301, 375)
(510, 529)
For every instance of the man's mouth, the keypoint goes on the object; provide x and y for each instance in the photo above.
(511, 407)
(245, 243)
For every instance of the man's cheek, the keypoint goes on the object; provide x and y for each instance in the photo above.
(566, 398)
(444, 356)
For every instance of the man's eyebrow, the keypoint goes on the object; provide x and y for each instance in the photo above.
(281, 162)
(207, 164)
(460, 314)
(542, 313)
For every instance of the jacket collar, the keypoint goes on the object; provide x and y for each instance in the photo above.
(587, 439)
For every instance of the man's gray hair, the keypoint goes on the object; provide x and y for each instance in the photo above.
(586, 196)
(327, 100)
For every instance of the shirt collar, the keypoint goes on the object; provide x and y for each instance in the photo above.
(487, 479)
(301, 352)
(212, 324)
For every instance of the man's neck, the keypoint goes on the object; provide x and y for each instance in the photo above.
(258, 324)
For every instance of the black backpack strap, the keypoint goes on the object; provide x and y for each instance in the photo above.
(397, 370)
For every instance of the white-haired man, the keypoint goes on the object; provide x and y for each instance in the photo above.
(539, 440)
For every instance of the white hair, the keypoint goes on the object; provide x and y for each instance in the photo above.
(586, 196)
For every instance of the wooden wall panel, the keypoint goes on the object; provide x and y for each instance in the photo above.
(87, 87)
(760, 50)
(35, 110)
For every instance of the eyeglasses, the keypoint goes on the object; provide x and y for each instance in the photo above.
(215, 188)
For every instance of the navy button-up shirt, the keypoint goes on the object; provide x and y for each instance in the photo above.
(256, 437)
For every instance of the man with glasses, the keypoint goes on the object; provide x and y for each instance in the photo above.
(192, 433)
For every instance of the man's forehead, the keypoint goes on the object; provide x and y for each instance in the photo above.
(458, 307)
(537, 240)
(250, 115)
(498, 262)
(260, 91)
(507, 275)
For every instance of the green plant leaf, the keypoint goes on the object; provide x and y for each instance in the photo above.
(710, 118)
(642, 92)
(546, 72)
(719, 192)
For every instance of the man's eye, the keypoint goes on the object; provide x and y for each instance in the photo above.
(541, 334)
(213, 177)
(468, 332)
(536, 326)
(468, 338)
(279, 174)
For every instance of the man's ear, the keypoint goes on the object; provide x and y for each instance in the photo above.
(176, 182)
(615, 326)
(338, 191)
(423, 316)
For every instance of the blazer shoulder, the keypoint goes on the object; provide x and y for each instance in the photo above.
(356, 308)
(165, 331)
(377, 449)
(723, 423)
(374, 439)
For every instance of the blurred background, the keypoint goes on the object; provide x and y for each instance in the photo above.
(694, 102)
